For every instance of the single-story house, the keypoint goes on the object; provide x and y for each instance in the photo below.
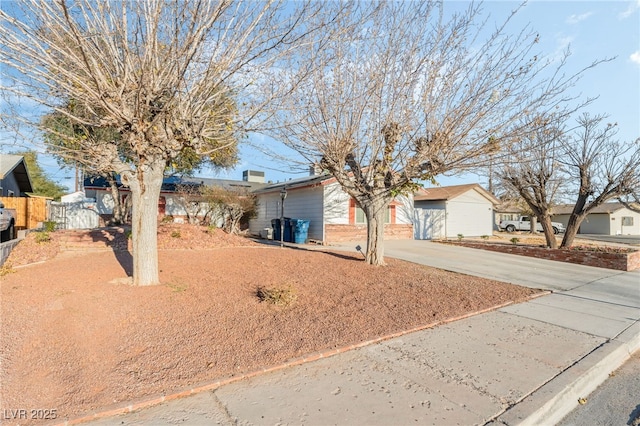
(14, 177)
(170, 202)
(446, 212)
(606, 219)
(332, 214)
(507, 210)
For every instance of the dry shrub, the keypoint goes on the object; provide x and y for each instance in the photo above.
(281, 296)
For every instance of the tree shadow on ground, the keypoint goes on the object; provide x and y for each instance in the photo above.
(634, 417)
(117, 239)
(125, 259)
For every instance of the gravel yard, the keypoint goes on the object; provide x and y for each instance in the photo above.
(77, 338)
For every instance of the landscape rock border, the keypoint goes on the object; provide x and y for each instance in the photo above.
(619, 261)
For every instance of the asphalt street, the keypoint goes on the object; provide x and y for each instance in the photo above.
(615, 402)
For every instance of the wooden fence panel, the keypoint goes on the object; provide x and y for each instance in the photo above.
(37, 211)
(29, 211)
(20, 206)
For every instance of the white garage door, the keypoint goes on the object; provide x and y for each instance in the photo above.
(428, 224)
(469, 219)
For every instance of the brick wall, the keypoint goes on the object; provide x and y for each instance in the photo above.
(347, 233)
(618, 261)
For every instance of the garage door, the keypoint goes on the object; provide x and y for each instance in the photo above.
(428, 224)
(469, 219)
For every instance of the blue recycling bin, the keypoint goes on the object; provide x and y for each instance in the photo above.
(300, 230)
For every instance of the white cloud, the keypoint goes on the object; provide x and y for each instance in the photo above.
(575, 19)
(635, 57)
(633, 6)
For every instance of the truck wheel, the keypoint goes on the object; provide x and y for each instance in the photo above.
(511, 228)
(555, 230)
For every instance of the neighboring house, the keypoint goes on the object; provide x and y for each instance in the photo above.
(14, 177)
(15, 193)
(506, 210)
(448, 211)
(332, 214)
(606, 219)
(170, 202)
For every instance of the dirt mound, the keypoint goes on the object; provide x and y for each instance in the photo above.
(35, 248)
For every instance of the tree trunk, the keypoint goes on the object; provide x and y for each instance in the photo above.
(145, 190)
(118, 211)
(548, 232)
(375, 211)
(576, 218)
(533, 221)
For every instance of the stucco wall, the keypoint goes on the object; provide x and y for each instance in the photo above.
(616, 226)
(336, 205)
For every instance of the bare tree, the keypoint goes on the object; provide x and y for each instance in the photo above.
(233, 206)
(412, 94)
(533, 171)
(189, 197)
(631, 201)
(163, 73)
(602, 167)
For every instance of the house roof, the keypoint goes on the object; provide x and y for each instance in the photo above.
(508, 207)
(296, 183)
(15, 164)
(446, 193)
(606, 208)
(170, 184)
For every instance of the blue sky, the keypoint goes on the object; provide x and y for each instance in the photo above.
(592, 29)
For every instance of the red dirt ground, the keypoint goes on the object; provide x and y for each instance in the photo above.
(76, 338)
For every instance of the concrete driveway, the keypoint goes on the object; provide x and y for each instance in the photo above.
(514, 269)
(633, 240)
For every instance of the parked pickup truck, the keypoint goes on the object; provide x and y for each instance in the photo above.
(7, 223)
(523, 223)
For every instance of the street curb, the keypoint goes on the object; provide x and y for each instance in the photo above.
(554, 409)
(314, 356)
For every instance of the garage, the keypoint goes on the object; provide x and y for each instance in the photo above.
(448, 211)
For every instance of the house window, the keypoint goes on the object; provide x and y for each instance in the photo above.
(627, 221)
(361, 219)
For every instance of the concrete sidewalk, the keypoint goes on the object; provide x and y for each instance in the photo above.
(521, 364)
